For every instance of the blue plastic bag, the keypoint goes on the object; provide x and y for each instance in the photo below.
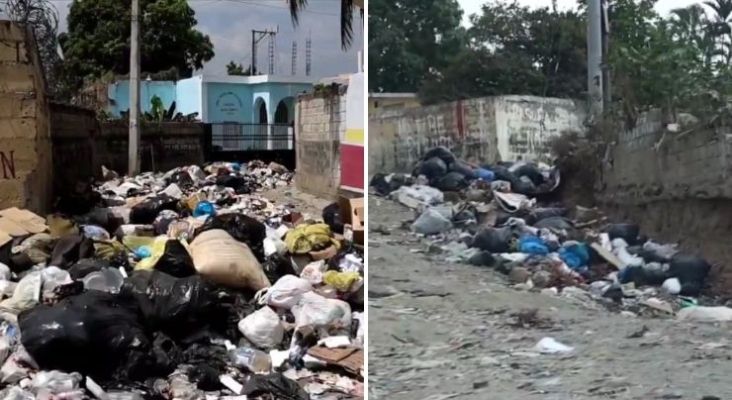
(532, 245)
(485, 174)
(575, 255)
(143, 252)
(204, 208)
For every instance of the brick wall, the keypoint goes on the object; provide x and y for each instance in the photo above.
(25, 147)
(482, 130)
(319, 125)
(73, 131)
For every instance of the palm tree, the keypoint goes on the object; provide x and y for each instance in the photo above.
(347, 6)
(720, 27)
(692, 25)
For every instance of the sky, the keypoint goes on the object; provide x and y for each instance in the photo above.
(473, 6)
(229, 24)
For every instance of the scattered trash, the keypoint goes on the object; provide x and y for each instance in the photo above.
(549, 345)
(179, 285)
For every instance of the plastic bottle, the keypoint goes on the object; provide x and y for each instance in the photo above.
(254, 360)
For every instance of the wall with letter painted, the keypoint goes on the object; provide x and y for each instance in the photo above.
(482, 130)
(25, 147)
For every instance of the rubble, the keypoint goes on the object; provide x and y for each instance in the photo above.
(187, 284)
(509, 220)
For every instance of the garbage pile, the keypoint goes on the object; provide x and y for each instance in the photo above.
(183, 285)
(505, 216)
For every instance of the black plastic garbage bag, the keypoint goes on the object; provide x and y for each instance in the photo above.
(182, 179)
(240, 184)
(70, 249)
(172, 305)
(627, 232)
(525, 187)
(385, 184)
(451, 182)
(531, 171)
(647, 255)
(557, 223)
(442, 153)
(463, 168)
(433, 168)
(691, 271)
(641, 276)
(242, 228)
(86, 266)
(494, 240)
(332, 217)
(146, 212)
(166, 353)
(175, 260)
(94, 333)
(276, 385)
(503, 174)
(538, 214)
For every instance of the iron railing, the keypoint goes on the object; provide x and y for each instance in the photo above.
(243, 137)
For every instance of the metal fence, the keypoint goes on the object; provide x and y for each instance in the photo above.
(243, 137)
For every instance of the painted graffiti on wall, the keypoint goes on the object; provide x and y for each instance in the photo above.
(7, 159)
(529, 126)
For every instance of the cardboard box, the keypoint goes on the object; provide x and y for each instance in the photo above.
(353, 212)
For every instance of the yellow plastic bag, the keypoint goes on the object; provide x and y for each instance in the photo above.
(108, 249)
(308, 237)
(342, 281)
(156, 249)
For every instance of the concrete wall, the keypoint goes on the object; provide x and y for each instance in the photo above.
(319, 125)
(81, 145)
(74, 131)
(163, 146)
(482, 130)
(25, 146)
(678, 187)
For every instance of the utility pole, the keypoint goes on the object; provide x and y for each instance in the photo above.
(606, 88)
(594, 57)
(257, 37)
(134, 139)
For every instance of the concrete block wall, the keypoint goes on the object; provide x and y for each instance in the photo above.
(25, 146)
(482, 130)
(73, 132)
(319, 125)
(677, 187)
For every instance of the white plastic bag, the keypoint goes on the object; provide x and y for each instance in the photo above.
(705, 314)
(5, 273)
(431, 222)
(313, 272)
(263, 328)
(27, 294)
(317, 311)
(285, 293)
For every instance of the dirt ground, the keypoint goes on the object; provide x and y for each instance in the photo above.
(442, 331)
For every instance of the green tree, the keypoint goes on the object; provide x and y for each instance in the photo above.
(410, 38)
(233, 68)
(514, 49)
(98, 38)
